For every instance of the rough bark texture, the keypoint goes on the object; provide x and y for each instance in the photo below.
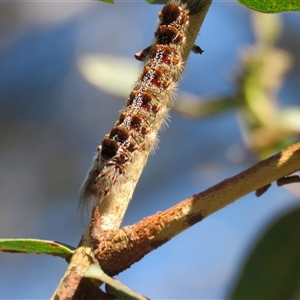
(118, 250)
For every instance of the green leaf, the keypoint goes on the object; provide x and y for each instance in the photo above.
(193, 106)
(272, 6)
(34, 246)
(107, 1)
(157, 1)
(113, 286)
(104, 72)
(289, 119)
(272, 270)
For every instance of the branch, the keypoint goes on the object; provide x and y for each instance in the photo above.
(118, 250)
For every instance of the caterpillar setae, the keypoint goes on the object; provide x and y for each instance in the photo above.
(146, 109)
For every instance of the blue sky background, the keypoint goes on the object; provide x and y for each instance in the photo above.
(51, 121)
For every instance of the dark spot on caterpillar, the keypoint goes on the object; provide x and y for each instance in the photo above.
(121, 118)
(120, 134)
(166, 49)
(148, 77)
(169, 13)
(132, 146)
(122, 158)
(142, 98)
(136, 121)
(155, 108)
(147, 97)
(132, 96)
(146, 70)
(109, 148)
(158, 72)
(144, 130)
(175, 61)
(168, 34)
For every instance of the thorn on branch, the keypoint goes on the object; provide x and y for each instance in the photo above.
(197, 50)
(280, 182)
(288, 179)
(262, 190)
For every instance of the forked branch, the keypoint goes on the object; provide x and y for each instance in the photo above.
(118, 250)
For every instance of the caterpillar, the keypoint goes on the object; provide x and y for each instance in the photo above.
(146, 109)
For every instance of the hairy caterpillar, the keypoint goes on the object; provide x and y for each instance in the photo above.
(146, 109)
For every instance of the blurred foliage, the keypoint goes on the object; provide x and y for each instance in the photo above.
(271, 6)
(107, 1)
(265, 6)
(267, 127)
(113, 286)
(272, 269)
(108, 71)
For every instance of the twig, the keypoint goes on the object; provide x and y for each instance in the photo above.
(280, 182)
(118, 250)
(262, 190)
(287, 180)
